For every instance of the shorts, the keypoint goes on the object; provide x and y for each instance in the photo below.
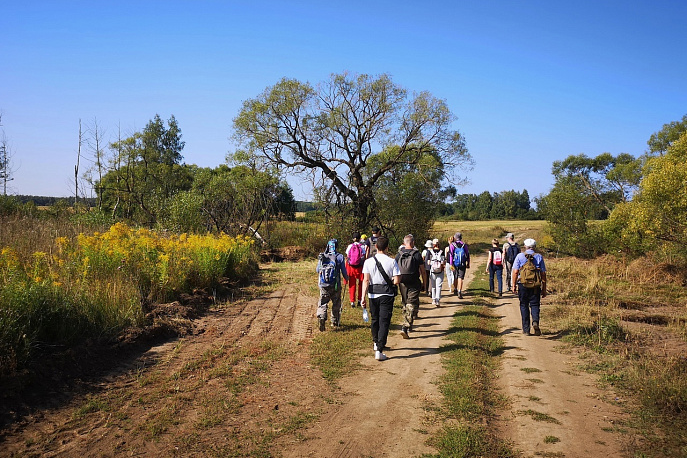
(460, 272)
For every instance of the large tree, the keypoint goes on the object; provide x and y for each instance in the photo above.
(333, 132)
(146, 172)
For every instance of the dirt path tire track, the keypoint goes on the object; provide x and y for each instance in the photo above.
(382, 410)
(536, 376)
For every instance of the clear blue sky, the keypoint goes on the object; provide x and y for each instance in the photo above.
(530, 82)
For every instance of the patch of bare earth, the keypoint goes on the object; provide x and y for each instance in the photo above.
(556, 409)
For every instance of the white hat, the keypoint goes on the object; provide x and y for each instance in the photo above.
(435, 242)
(428, 244)
(530, 243)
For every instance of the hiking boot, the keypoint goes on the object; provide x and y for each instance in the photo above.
(379, 356)
(500, 294)
(537, 331)
(460, 294)
(404, 332)
(358, 304)
(323, 322)
(455, 291)
(353, 305)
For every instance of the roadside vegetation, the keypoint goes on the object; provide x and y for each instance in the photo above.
(631, 317)
(66, 289)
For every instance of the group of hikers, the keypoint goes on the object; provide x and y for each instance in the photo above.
(374, 277)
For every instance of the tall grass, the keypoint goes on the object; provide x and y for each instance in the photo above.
(93, 286)
(595, 301)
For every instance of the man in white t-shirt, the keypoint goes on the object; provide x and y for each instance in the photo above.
(381, 294)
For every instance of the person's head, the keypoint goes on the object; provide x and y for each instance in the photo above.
(428, 244)
(435, 243)
(363, 237)
(332, 245)
(382, 243)
(375, 230)
(356, 236)
(451, 239)
(495, 242)
(509, 236)
(457, 236)
(530, 244)
(409, 241)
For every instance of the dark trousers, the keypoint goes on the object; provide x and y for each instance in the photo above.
(381, 309)
(529, 303)
(495, 271)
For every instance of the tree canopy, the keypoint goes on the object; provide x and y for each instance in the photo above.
(348, 133)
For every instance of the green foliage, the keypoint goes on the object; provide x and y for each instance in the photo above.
(238, 200)
(657, 216)
(146, 172)
(485, 206)
(660, 141)
(337, 133)
(587, 189)
(9, 205)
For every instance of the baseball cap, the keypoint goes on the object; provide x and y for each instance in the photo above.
(530, 243)
(509, 235)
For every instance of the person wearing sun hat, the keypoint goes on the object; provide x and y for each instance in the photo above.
(529, 297)
(437, 265)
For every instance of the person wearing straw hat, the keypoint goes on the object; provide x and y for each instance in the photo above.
(425, 257)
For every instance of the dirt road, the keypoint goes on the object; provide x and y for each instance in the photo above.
(556, 410)
(172, 400)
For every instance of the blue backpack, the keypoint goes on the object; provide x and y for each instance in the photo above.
(459, 258)
(328, 268)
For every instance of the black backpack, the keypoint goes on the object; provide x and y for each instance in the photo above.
(512, 252)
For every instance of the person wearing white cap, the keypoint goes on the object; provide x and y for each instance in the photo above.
(437, 265)
(529, 282)
(510, 251)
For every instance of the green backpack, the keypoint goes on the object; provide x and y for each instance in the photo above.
(530, 274)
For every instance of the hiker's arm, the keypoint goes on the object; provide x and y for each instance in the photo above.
(423, 272)
(366, 286)
(397, 280)
(514, 276)
(488, 262)
(543, 284)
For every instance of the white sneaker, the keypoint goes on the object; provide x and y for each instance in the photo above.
(379, 356)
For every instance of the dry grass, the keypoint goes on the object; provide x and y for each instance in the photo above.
(633, 316)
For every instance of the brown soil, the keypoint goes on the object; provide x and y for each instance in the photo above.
(172, 400)
(539, 377)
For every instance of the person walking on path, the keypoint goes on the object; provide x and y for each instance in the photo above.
(460, 260)
(355, 257)
(425, 258)
(510, 251)
(381, 294)
(412, 269)
(437, 265)
(373, 242)
(495, 266)
(330, 268)
(450, 271)
(529, 283)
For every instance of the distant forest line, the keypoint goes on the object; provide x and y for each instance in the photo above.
(467, 207)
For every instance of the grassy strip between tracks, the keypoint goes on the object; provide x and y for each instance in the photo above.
(471, 361)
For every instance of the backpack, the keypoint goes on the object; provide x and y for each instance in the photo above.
(373, 245)
(530, 274)
(459, 258)
(511, 252)
(328, 268)
(406, 263)
(497, 258)
(435, 261)
(355, 255)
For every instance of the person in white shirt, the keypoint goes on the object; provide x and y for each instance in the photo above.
(381, 294)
